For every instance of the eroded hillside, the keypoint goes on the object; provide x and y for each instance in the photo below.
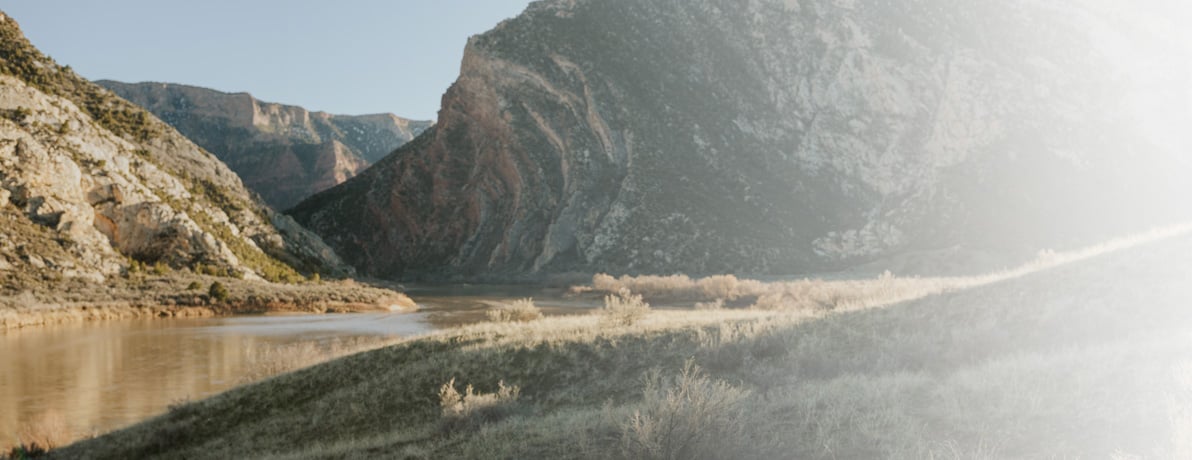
(777, 137)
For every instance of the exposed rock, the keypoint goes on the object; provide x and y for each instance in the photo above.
(775, 136)
(285, 153)
(94, 181)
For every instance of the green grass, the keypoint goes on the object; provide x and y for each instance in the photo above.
(1074, 360)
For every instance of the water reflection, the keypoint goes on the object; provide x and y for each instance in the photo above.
(77, 379)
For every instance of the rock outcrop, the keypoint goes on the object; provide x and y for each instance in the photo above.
(779, 136)
(91, 186)
(285, 153)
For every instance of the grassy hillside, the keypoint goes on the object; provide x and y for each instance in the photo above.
(1084, 360)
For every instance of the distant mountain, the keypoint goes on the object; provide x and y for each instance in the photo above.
(92, 186)
(285, 153)
(779, 136)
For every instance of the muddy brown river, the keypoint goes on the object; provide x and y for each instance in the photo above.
(80, 379)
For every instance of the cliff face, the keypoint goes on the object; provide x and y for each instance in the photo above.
(90, 182)
(285, 153)
(774, 136)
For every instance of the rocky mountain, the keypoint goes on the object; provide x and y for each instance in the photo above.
(779, 136)
(283, 152)
(92, 187)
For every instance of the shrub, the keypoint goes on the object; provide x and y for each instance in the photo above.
(520, 310)
(160, 269)
(194, 286)
(725, 287)
(471, 409)
(605, 282)
(218, 291)
(691, 417)
(624, 308)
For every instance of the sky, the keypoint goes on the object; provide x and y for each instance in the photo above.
(344, 57)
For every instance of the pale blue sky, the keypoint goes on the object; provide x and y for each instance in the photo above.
(348, 56)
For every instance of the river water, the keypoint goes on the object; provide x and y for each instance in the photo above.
(80, 379)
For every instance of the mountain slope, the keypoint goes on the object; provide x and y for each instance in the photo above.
(1054, 364)
(777, 137)
(285, 153)
(92, 186)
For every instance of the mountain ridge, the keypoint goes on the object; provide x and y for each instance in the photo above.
(284, 152)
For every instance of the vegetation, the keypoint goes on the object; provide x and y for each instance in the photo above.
(251, 256)
(1058, 364)
(836, 295)
(518, 311)
(218, 291)
(470, 410)
(624, 308)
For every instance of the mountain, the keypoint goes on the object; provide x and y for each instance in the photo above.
(283, 152)
(93, 187)
(776, 137)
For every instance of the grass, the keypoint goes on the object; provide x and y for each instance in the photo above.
(1079, 360)
(520, 310)
(807, 294)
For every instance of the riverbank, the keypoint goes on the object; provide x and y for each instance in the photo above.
(1069, 361)
(187, 295)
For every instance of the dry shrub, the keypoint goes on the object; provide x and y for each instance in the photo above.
(647, 285)
(725, 287)
(606, 283)
(471, 409)
(689, 417)
(520, 310)
(624, 308)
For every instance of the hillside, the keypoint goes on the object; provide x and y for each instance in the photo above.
(283, 152)
(96, 194)
(778, 137)
(1084, 360)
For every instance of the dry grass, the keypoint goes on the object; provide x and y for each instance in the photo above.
(470, 409)
(520, 310)
(812, 295)
(623, 308)
(1059, 364)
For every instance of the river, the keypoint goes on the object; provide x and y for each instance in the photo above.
(81, 379)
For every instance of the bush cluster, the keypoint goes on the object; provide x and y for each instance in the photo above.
(520, 310)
